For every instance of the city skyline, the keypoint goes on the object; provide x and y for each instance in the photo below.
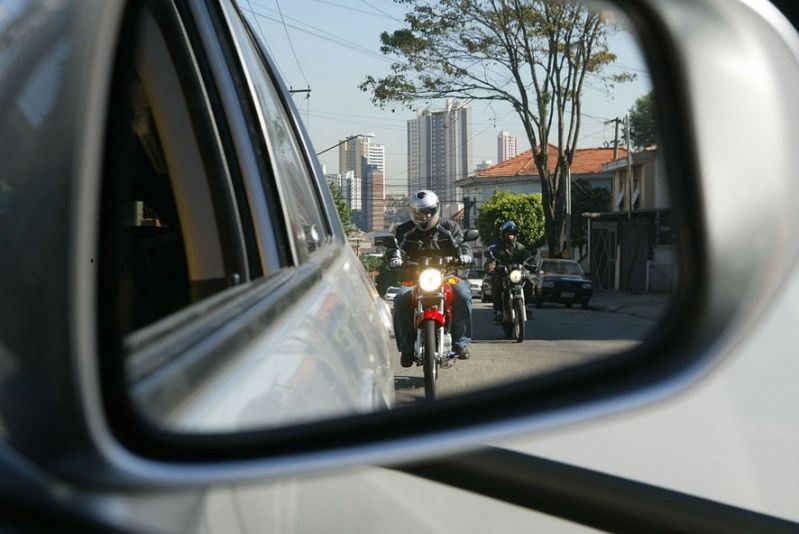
(331, 48)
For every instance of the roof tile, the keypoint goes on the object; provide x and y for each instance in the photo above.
(586, 161)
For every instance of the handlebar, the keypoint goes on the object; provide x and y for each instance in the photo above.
(443, 262)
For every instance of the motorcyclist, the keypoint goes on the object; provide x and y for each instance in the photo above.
(426, 234)
(504, 252)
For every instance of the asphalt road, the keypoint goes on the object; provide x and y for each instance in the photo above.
(556, 337)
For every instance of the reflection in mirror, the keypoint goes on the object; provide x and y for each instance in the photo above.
(559, 94)
(527, 127)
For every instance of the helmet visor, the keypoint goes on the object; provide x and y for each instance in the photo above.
(424, 214)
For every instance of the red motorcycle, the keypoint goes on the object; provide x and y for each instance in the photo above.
(432, 301)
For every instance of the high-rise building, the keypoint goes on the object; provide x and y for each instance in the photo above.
(364, 162)
(439, 152)
(507, 146)
(375, 200)
(483, 165)
(375, 188)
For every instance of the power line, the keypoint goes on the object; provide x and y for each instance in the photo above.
(266, 43)
(392, 17)
(355, 9)
(320, 34)
(291, 45)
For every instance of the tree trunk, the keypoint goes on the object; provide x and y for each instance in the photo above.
(553, 189)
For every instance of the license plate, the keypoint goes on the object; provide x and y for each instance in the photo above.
(567, 295)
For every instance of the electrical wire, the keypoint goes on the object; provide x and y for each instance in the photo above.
(291, 45)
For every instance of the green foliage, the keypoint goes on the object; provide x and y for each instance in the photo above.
(372, 263)
(524, 209)
(643, 122)
(341, 206)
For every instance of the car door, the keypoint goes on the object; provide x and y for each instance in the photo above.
(256, 233)
(165, 195)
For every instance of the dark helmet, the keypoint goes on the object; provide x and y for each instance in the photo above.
(425, 209)
(508, 227)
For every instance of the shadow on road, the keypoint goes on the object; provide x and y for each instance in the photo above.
(408, 382)
(557, 323)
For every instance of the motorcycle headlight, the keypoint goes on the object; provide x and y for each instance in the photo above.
(430, 280)
(515, 276)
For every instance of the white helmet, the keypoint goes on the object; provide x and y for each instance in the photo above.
(425, 209)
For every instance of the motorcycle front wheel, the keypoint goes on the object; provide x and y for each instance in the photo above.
(430, 362)
(518, 321)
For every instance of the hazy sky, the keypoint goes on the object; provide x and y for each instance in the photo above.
(332, 45)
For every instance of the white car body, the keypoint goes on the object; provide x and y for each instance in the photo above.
(724, 426)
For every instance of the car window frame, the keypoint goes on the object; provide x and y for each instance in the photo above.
(228, 11)
(187, 346)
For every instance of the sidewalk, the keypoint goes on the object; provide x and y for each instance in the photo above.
(647, 305)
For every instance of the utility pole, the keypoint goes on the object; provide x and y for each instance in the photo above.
(616, 139)
(629, 167)
(569, 212)
(293, 91)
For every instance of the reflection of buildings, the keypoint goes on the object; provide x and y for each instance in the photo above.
(396, 210)
(439, 152)
(374, 205)
(483, 165)
(520, 175)
(362, 166)
(507, 146)
(632, 245)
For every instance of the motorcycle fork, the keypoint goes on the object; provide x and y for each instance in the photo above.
(508, 310)
(419, 345)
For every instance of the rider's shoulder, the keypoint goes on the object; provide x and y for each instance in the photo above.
(449, 225)
(404, 227)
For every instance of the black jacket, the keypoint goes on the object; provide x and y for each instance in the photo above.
(507, 255)
(446, 239)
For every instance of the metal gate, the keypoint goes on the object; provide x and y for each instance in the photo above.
(634, 255)
(603, 254)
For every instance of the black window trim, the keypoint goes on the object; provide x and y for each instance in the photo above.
(320, 188)
(207, 136)
(258, 185)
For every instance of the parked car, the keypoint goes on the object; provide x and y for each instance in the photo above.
(475, 279)
(561, 281)
(485, 289)
(391, 292)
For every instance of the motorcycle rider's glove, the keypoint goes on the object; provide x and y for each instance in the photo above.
(466, 259)
(395, 263)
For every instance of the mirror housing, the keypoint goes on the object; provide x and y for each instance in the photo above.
(471, 235)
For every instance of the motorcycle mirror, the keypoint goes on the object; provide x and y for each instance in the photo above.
(385, 240)
(471, 235)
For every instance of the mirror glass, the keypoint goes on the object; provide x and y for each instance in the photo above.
(530, 122)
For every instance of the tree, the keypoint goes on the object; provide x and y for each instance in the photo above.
(533, 54)
(585, 199)
(341, 206)
(523, 209)
(643, 122)
(371, 264)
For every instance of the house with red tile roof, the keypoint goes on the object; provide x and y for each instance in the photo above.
(519, 174)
